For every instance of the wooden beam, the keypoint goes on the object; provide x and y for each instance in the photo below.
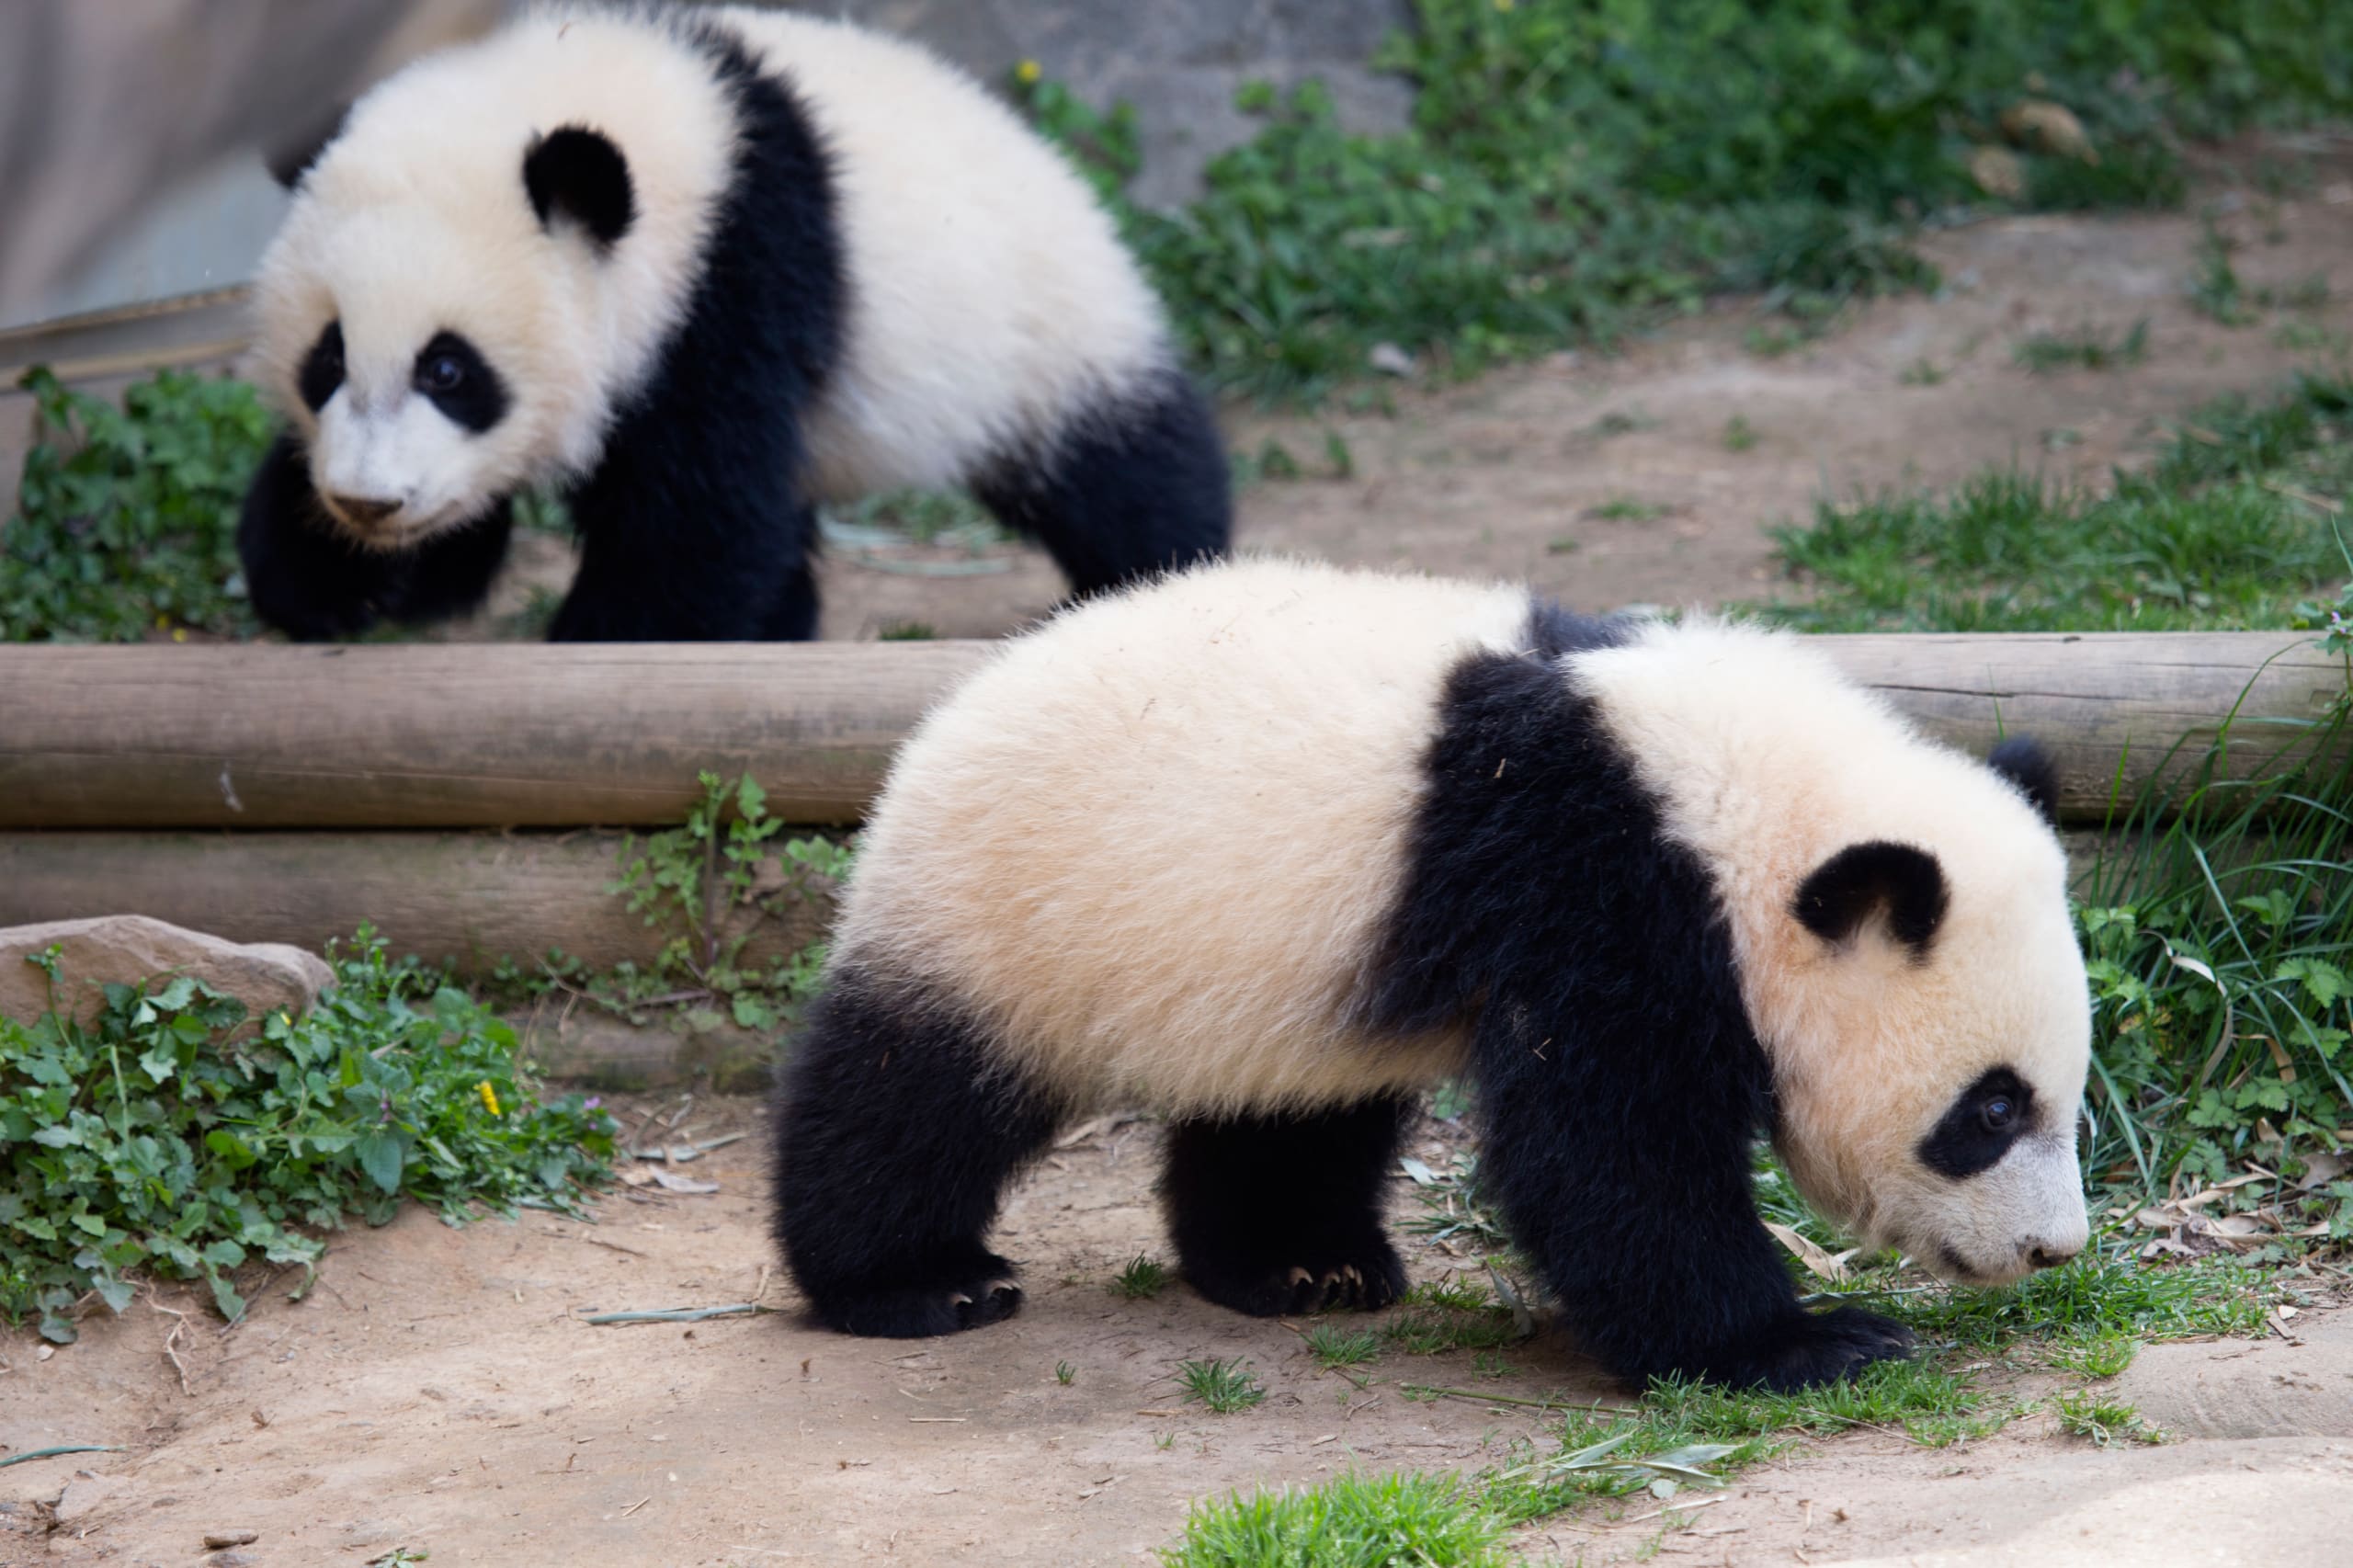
(471, 898)
(535, 735)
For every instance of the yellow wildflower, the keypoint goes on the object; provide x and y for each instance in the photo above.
(1027, 73)
(489, 1096)
(180, 633)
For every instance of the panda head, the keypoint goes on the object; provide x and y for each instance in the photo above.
(1923, 1001)
(440, 330)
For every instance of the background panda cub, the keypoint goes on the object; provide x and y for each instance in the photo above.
(701, 270)
(1269, 847)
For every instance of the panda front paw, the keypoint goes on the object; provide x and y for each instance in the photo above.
(921, 1311)
(1809, 1348)
(1367, 1276)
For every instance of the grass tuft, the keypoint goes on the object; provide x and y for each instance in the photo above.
(1352, 1521)
(2084, 1414)
(1334, 1346)
(1142, 1280)
(1224, 1386)
(2085, 348)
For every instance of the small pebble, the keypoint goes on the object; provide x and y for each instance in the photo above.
(216, 1539)
(234, 1560)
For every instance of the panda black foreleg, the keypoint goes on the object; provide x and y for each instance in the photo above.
(1621, 1160)
(897, 1130)
(312, 582)
(1138, 486)
(1281, 1213)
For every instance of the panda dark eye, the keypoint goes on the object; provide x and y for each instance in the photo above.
(1998, 1113)
(441, 373)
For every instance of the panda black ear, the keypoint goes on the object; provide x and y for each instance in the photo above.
(579, 173)
(2025, 763)
(288, 161)
(1866, 879)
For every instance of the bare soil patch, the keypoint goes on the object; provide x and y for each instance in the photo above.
(439, 1391)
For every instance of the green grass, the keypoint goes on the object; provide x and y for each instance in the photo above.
(2104, 1421)
(1334, 1346)
(2085, 348)
(2097, 1356)
(1224, 1386)
(1065, 1374)
(1434, 1317)
(1740, 436)
(172, 1137)
(1142, 1280)
(2230, 529)
(1353, 1521)
(1573, 173)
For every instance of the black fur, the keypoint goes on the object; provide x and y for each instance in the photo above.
(2022, 761)
(1985, 1119)
(314, 585)
(697, 524)
(1862, 879)
(694, 527)
(461, 383)
(1620, 1085)
(1140, 487)
(1281, 1213)
(578, 173)
(897, 1131)
(322, 370)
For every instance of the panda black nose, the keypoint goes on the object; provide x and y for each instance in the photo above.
(2048, 1257)
(361, 510)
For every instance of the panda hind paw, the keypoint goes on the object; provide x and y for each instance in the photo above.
(922, 1312)
(1811, 1349)
(1364, 1283)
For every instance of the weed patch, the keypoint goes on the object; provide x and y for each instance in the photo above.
(1354, 1521)
(1142, 1280)
(126, 520)
(169, 1137)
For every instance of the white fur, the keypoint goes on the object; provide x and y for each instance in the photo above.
(1767, 762)
(1157, 838)
(992, 301)
(1155, 843)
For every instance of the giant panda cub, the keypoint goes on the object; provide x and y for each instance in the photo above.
(699, 270)
(1270, 847)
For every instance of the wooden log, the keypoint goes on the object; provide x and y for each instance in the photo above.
(533, 735)
(469, 897)
(450, 736)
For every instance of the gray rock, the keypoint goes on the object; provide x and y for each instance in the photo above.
(126, 949)
(1179, 64)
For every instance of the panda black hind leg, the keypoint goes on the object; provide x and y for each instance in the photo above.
(897, 1130)
(1281, 1213)
(1136, 486)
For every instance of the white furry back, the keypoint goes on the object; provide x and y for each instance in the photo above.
(992, 303)
(1156, 839)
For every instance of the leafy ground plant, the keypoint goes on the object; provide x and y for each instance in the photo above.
(2104, 1421)
(172, 1137)
(127, 517)
(724, 886)
(1573, 171)
(1354, 1521)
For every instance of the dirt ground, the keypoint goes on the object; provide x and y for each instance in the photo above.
(439, 1391)
(1509, 476)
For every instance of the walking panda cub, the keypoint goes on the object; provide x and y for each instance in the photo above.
(1270, 847)
(699, 270)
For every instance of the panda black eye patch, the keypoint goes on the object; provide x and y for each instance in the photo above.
(452, 373)
(1984, 1121)
(322, 370)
